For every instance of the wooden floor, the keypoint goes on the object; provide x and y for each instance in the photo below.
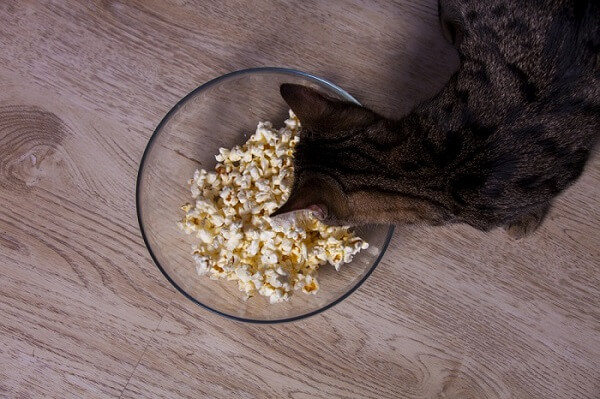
(84, 313)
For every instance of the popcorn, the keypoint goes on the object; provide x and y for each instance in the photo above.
(237, 240)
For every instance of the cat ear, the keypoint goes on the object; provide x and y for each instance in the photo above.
(309, 105)
(451, 22)
(309, 196)
(319, 112)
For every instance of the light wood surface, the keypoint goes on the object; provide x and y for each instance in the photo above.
(84, 313)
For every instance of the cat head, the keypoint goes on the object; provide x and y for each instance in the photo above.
(330, 131)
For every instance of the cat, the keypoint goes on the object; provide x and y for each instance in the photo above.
(512, 128)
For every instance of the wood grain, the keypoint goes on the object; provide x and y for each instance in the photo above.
(450, 312)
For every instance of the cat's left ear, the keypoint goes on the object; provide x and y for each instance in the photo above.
(309, 197)
(318, 196)
(317, 111)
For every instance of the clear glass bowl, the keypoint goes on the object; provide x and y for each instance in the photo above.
(223, 113)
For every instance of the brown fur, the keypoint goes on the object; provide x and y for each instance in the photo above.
(511, 130)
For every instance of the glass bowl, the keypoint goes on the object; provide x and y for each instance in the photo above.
(223, 113)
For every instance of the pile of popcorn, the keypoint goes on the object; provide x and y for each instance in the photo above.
(237, 239)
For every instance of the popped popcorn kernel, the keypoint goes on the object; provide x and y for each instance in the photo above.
(238, 241)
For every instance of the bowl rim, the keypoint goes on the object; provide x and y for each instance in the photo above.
(165, 119)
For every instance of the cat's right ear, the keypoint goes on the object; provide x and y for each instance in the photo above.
(451, 22)
(309, 105)
(323, 114)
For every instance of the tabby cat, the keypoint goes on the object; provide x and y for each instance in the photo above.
(513, 127)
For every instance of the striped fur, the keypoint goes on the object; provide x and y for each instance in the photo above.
(511, 130)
